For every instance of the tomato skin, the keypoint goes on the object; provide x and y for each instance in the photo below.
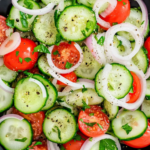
(75, 145)
(99, 117)
(25, 49)
(147, 46)
(70, 76)
(141, 142)
(136, 89)
(40, 147)
(34, 70)
(3, 28)
(120, 13)
(36, 120)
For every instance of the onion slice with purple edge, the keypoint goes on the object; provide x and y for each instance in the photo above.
(36, 12)
(96, 49)
(113, 100)
(10, 44)
(40, 85)
(98, 4)
(10, 116)
(144, 10)
(147, 75)
(52, 146)
(1, 61)
(64, 71)
(133, 30)
(88, 144)
(5, 87)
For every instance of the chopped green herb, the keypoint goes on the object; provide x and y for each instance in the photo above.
(28, 4)
(71, 91)
(55, 53)
(100, 126)
(88, 25)
(41, 48)
(58, 39)
(10, 22)
(114, 23)
(107, 144)
(95, 36)
(21, 60)
(62, 148)
(85, 106)
(24, 22)
(59, 133)
(81, 120)
(90, 124)
(91, 114)
(124, 3)
(28, 73)
(84, 89)
(120, 43)
(101, 41)
(68, 65)
(78, 138)
(142, 22)
(69, 42)
(27, 59)
(38, 143)
(23, 15)
(88, 129)
(29, 16)
(21, 140)
(17, 53)
(90, 139)
(119, 0)
(83, 32)
(127, 128)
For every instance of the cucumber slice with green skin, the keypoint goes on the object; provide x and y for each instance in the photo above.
(6, 99)
(89, 96)
(12, 129)
(43, 65)
(89, 66)
(52, 91)
(28, 97)
(95, 146)
(76, 23)
(146, 108)
(117, 81)
(89, 3)
(15, 15)
(135, 119)
(148, 89)
(66, 2)
(44, 29)
(7, 74)
(134, 18)
(59, 126)
(111, 109)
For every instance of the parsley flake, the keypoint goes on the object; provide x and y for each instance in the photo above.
(101, 41)
(124, 3)
(21, 140)
(68, 65)
(10, 22)
(41, 48)
(27, 59)
(55, 53)
(100, 126)
(85, 106)
(127, 128)
(17, 53)
(90, 139)
(84, 89)
(20, 60)
(91, 114)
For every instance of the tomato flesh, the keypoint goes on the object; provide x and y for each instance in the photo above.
(147, 46)
(39, 147)
(98, 118)
(64, 53)
(25, 51)
(136, 89)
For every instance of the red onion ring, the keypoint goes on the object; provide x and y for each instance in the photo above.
(64, 71)
(10, 44)
(52, 146)
(10, 116)
(36, 12)
(147, 75)
(1, 61)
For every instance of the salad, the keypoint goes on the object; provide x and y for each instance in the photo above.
(74, 75)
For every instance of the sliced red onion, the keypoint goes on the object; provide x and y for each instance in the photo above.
(10, 116)
(133, 30)
(88, 144)
(40, 85)
(10, 44)
(36, 12)
(52, 146)
(147, 75)
(98, 4)
(143, 27)
(1, 61)
(113, 100)
(5, 87)
(64, 71)
(61, 6)
(89, 43)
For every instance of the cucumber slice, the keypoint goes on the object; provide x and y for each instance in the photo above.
(66, 2)
(6, 99)
(117, 84)
(89, 96)
(59, 126)
(52, 91)
(7, 74)
(12, 129)
(28, 97)
(95, 146)
(16, 16)
(111, 109)
(148, 89)
(89, 66)
(44, 29)
(43, 65)
(89, 3)
(135, 119)
(72, 27)
(146, 108)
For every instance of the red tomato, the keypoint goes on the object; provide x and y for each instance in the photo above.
(36, 120)
(34, 70)
(70, 76)
(141, 142)
(74, 144)
(136, 89)
(147, 46)
(25, 53)
(120, 13)
(64, 53)
(3, 28)
(39, 147)
(100, 118)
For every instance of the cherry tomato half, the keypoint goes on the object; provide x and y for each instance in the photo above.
(70, 76)
(147, 46)
(120, 13)
(64, 53)
(23, 57)
(141, 142)
(99, 118)
(36, 120)
(39, 147)
(75, 144)
(3, 28)
(136, 89)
